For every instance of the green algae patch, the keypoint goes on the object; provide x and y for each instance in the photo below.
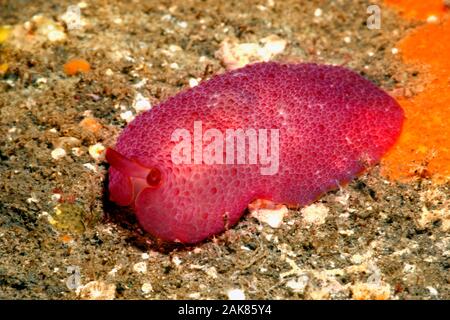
(69, 217)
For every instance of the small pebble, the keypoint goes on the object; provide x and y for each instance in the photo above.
(193, 82)
(140, 84)
(433, 291)
(32, 199)
(298, 285)
(127, 116)
(182, 24)
(408, 268)
(58, 153)
(114, 270)
(315, 214)
(273, 217)
(90, 166)
(56, 197)
(141, 103)
(56, 35)
(97, 290)
(212, 272)
(146, 288)
(140, 267)
(235, 294)
(177, 261)
(97, 151)
(109, 72)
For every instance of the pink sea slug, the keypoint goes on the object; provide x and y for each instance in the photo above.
(330, 123)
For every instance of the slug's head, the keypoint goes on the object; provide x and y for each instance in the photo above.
(173, 203)
(129, 178)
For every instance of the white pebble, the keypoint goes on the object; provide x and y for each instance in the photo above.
(140, 267)
(357, 258)
(273, 217)
(273, 45)
(193, 82)
(90, 166)
(77, 151)
(212, 272)
(182, 24)
(55, 197)
(177, 261)
(141, 103)
(166, 17)
(109, 72)
(146, 288)
(82, 5)
(56, 35)
(58, 153)
(32, 199)
(298, 285)
(235, 294)
(408, 268)
(318, 12)
(315, 214)
(97, 151)
(433, 291)
(261, 8)
(41, 80)
(114, 271)
(127, 116)
(174, 48)
(394, 50)
(140, 84)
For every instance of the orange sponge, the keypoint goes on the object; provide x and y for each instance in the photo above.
(74, 66)
(418, 9)
(424, 146)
